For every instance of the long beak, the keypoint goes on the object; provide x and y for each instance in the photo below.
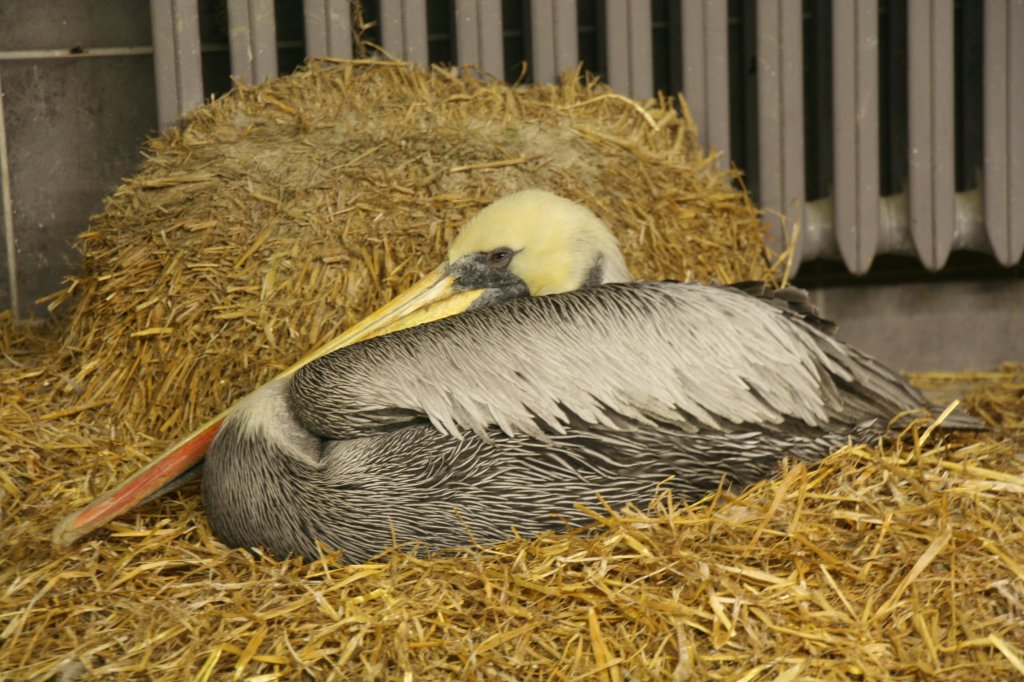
(431, 299)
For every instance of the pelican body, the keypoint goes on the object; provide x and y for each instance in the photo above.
(525, 375)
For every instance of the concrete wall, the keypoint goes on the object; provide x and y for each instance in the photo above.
(920, 326)
(74, 125)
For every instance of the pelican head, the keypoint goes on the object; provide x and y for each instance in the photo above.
(545, 242)
(531, 243)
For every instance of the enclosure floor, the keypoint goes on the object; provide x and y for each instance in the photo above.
(897, 560)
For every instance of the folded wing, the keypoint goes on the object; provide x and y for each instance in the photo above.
(700, 357)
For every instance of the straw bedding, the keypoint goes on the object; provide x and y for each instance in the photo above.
(282, 213)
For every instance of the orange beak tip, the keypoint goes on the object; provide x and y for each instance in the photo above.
(138, 488)
(65, 533)
(59, 537)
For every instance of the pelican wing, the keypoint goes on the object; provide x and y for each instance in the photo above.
(703, 357)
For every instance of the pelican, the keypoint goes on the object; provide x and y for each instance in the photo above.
(527, 373)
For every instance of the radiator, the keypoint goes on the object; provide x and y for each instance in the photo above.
(759, 77)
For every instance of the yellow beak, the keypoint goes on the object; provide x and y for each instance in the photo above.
(430, 299)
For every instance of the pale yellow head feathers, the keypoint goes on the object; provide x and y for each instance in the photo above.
(557, 242)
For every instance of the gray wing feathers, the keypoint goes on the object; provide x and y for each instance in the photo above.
(700, 356)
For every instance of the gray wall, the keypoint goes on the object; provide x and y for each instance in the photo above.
(921, 326)
(74, 125)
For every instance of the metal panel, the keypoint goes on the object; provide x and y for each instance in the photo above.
(1003, 100)
(403, 29)
(65, 157)
(855, 130)
(253, 37)
(554, 38)
(921, 326)
(177, 60)
(629, 44)
(930, 129)
(328, 25)
(478, 35)
(780, 119)
(706, 72)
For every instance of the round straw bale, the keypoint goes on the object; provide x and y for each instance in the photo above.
(280, 214)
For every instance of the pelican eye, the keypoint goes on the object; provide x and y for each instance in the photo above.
(499, 258)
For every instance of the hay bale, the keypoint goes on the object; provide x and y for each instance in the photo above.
(282, 213)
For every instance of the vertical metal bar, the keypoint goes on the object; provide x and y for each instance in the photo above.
(314, 21)
(542, 41)
(467, 32)
(252, 34)
(932, 180)
(716, 65)
(328, 25)
(392, 27)
(478, 35)
(567, 37)
(857, 195)
(641, 51)
(554, 38)
(780, 103)
(403, 29)
(706, 72)
(8, 211)
(617, 39)
(415, 24)
(492, 40)
(1003, 116)
(629, 43)
(177, 60)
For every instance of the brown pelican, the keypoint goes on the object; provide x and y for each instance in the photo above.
(560, 379)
